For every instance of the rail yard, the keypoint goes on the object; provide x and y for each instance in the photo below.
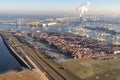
(35, 60)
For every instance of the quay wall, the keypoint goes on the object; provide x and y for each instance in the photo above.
(13, 53)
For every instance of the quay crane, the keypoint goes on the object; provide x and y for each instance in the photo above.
(32, 25)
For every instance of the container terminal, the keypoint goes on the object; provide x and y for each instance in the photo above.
(44, 50)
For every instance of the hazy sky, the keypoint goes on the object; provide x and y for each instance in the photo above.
(57, 6)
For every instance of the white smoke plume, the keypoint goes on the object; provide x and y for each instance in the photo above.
(83, 8)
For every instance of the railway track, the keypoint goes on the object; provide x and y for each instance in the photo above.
(39, 65)
(49, 71)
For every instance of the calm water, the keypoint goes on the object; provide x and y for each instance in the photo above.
(7, 61)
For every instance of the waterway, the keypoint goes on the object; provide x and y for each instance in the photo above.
(7, 61)
(63, 28)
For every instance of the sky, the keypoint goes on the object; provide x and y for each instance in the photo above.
(58, 6)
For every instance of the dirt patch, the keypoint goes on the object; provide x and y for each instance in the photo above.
(23, 75)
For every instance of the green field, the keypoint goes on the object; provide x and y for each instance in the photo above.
(56, 66)
(89, 69)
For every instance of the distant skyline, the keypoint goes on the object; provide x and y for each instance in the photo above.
(57, 6)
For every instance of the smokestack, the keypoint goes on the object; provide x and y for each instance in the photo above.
(82, 9)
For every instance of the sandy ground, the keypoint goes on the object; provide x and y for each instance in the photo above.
(23, 75)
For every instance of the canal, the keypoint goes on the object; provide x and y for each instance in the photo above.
(7, 61)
